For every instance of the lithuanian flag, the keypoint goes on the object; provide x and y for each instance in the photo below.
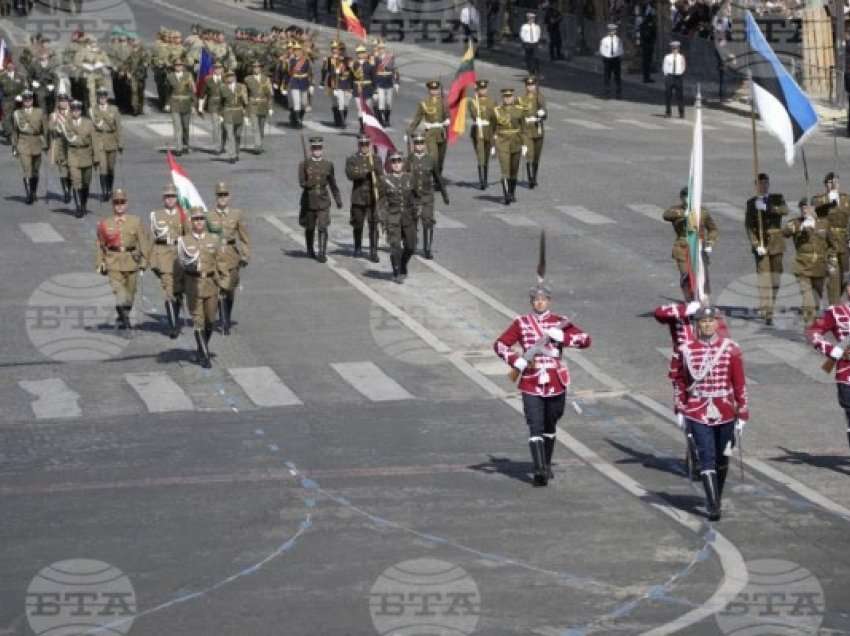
(464, 77)
(352, 24)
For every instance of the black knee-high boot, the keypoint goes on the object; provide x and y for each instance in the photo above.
(308, 242)
(549, 447)
(538, 458)
(712, 494)
(224, 316)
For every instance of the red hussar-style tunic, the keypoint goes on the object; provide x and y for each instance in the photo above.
(712, 386)
(682, 330)
(547, 375)
(835, 320)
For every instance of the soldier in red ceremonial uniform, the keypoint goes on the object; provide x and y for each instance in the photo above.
(544, 377)
(713, 400)
(836, 321)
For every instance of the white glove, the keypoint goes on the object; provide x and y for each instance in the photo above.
(808, 223)
(707, 249)
(405, 139)
(396, 87)
(739, 425)
(50, 87)
(836, 352)
(284, 92)
(167, 108)
(833, 194)
(524, 150)
(520, 364)
(680, 421)
(98, 66)
(541, 113)
(760, 204)
(761, 251)
(311, 90)
(447, 122)
(493, 154)
(200, 110)
(555, 333)
(35, 84)
(692, 308)
(275, 86)
(18, 98)
(530, 120)
(479, 121)
(271, 112)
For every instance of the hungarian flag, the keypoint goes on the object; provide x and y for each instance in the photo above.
(352, 24)
(205, 69)
(372, 128)
(464, 77)
(187, 194)
(696, 264)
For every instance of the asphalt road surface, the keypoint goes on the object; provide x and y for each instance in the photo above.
(355, 462)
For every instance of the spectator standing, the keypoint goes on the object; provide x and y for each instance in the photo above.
(674, 69)
(552, 19)
(529, 34)
(611, 50)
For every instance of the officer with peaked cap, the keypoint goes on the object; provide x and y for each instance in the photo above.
(508, 121)
(167, 225)
(229, 224)
(398, 215)
(79, 140)
(29, 140)
(432, 113)
(364, 170)
(316, 177)
(480, 107)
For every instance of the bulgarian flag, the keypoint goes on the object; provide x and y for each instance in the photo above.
(696, 265)
(464, 77)
(187, 194)
(352, 24)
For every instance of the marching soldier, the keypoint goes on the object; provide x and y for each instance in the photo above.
(508, 121)
(543, 376)
(836, 206)
(713, 401)
(161, 62)
(234, 102)
(363, 70)
(435, 117)
(386, 81)
(167, 225)
(339, 82)
(93, 64)
(122, 250)
(260, 95)
(82, 155)
(316, 177)
(234, 253)
(12, 84)
(814, 244)
(480, 107)
(44, 81)
(534, 107)
(836, 321)
(138, 62)
(211, 103)
(107, 134)
(424, 178)
(398, 216)
(58, 156)
(181, 101)
(299, 87)
(29, 140)
(678, 216)
(198, 253)
(364, 171)
(763, 222)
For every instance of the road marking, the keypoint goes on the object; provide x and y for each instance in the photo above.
(165, 129)
(54, 398)
(41, 233)
(317, 127)
(585, 105)
(640, 124)
(516, 220)
(370, 381)
(159, 392)
(447, 223)
(584, 123)
(654, 212)
(264, 387)
(797, 356)
(581, 213)
(203, 128)
(687, 122)
(725, 209)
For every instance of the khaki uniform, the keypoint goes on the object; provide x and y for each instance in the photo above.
(211, 103)
(93, 65)
(181, 101)
(507, 134)
(107, 134)
(161, 62)
(81, 151)
(137, 69)
(433, 114)
(166, 227)
(199, 256)
(29, 139)
(234, 102)
(44, 82)
(260, 94)
(767, 233)
(534, 114)
(838, 215)
(122, 247)
(814, 246)
(398, 215)
(58, 157)
(677, 215)
(481, 111)
(11, 87)
(235, 248)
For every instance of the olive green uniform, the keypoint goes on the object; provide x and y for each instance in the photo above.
(481, 111)
(234, 101)
(82, 157)
(398, 215)
(29, 139)
(838, 216)
(260, 94)
(93, 65)
(814, 247)
(424, 179)
(234, 253)
(677, 215)
(364, 172)
(137, 73)
(161, 60)
(432, 113)
(121, 251)
(107, 134)
(181, 101)
(199, 255)
(764, 228)
(534, 114)
(316, 178)
(507, 134)
(211, 103)
(166, 227)
(58, 156)
(11, 87)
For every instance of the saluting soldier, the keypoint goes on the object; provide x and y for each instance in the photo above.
(763, 222)
(107, 134)
(480, 107)
(122, 249)
(386, 81)
(181, 102)
(338, 80)
(713, 401)
(544, 377)
(678, 216)
(82, 155)
(299, 87)
(363, 70)
(836, 206)
(12, 84)
(198, 252)
(29, 140)
(364, 171)
(260, 94)
(814, 244)
(424, 179)
(316, 177)
(56, 123)
(235, 252)
(210, 103)
(234, 102)
(167, 225)
(398, 215)
(508, 120)
(534, 107)
(432, 112)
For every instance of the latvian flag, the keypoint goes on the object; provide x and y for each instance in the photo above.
(372, 128)
(352, 24)
(187, 194)
(787, 112)
(464, 77)
(205, 69)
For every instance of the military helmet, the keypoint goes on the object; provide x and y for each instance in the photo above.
(361, 49)
(540, 289)
(707, 312)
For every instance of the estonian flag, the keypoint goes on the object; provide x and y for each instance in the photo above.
(785, 109)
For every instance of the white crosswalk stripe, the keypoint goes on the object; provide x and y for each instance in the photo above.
(585, 105)
(585, 123)
(725, 209)
(687, 122)
(41, 233)
(640, 124)
(163, 128)
(516, 220)
(368, 379)
(54, 398)
(159, 392)
(264, 387)
(581, 213)
(447, 223)
(654, 212)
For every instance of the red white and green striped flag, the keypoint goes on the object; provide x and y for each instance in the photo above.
(464, 77)
(696, 265)
(187, 194)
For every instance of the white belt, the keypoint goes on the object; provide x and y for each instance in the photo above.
(712, 394)
(482, 122)
(430, 126)
(532, 120)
